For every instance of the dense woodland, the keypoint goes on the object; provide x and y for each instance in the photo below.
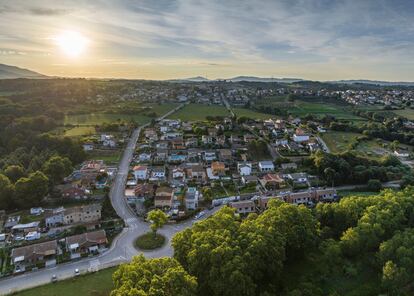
(359, 246)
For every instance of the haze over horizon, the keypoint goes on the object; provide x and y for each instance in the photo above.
(316, 40)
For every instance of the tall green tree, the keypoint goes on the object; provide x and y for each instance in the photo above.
(56, 168)
(6, 192)
(153, 277)
(157, 218)
(29, 191)
(14, 172)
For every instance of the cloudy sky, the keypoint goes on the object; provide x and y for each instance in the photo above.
(162, 39)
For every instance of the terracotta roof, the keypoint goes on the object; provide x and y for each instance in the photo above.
(96, 237)
(41, 249)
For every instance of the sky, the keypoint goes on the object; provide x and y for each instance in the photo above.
(166, 39)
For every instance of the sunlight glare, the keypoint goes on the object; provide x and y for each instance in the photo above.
(72, 43)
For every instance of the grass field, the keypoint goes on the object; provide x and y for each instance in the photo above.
(148, 241)
(80, 131)
(340, 141)
(108, 158)
(95, 284)
(252, 114)
(99, 118)
(194, 112)
(409, 113)
(161, 109)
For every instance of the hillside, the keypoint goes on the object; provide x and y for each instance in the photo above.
(12, 72)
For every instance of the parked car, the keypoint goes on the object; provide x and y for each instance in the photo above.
(77, 272)
(199, 215)
(54, 278)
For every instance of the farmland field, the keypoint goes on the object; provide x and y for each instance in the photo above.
(409, 113)
(100, 118)
(199, 112)
(96, 284)
(252, 114)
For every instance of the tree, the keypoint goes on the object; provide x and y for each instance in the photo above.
(374, 185)
(6, 192)
(56, 168)
(161, 276)
(158, 218)
(31, 190)
(330, 175)
(14, 172)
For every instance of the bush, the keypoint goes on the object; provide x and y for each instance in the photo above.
(374, 185)
(150, 241)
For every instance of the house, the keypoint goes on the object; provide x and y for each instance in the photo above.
(266, 166)
(244, 168)
(218, 168)
(30, 255)
(243, 206)
(54, 217)
(298, 177)
(75, 193)
(164, 197)
(144, 157)
(300, 136)
(178, 173)
(264, 200)
(191, 198)
(25, 228)
(207, 139)
(289, 166)
(177, 158)
(299, 198)
(88, 146)
(225, 155)
(328, 194)
(272, 181)
(140, 172)
(248, 138)
(197, 173)
(86, 243)
(82, 214)
(249, 179)
(401, 153)
(144, 191)
(11, 221)
(191, 142)
(281, 142)
(209, 156)
(36, 211)
(221, 140)
(91, 169)
(158, 173)
(177, 143)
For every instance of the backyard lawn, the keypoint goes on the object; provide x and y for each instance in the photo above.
(95, 284)
(192, 112)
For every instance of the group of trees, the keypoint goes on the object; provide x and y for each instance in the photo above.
(20, 188)
(288, 250)
(348, 168)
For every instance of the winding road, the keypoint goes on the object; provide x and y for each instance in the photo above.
(122, 249)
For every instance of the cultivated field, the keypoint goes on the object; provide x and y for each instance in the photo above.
(100, 118)
(199, 112)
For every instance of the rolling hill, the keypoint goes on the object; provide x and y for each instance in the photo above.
(12, 72)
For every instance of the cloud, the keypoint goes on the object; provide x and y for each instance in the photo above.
(43, 11)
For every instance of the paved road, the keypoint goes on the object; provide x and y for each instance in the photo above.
(324, 146)
(122, 249)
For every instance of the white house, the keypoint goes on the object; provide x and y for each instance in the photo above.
(300, 138)
(191, 198)
(209, 156)
(244, 168)
(144, 157)
(266, 166)
(140, 172)
(401, 153)
(178, 173)
(87, 147)
(158, 173)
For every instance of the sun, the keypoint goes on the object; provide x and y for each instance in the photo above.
(72, 43)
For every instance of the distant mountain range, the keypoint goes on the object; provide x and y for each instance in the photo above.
(12, 72)
(239, 79)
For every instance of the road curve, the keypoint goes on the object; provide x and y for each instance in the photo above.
(122, 248)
